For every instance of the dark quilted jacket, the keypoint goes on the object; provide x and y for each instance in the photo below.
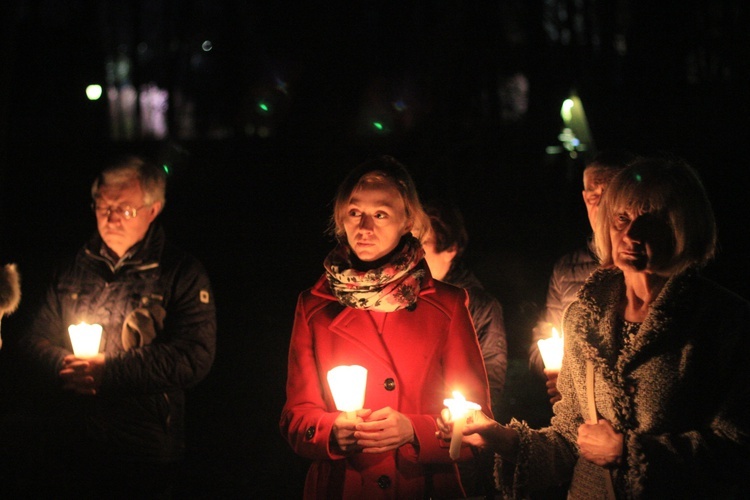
(165, 297)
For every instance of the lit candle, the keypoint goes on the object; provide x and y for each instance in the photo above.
(85, 339)
(460, 409)
(347, 385)
(551, 350)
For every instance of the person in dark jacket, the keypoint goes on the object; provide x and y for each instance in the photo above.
(572, 269)
(444, 248)
(120, 414)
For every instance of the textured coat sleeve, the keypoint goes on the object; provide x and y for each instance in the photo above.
(182, 355)
(547, 456)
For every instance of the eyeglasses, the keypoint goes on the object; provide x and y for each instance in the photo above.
(126, 211)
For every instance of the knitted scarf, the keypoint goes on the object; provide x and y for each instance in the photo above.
(394, 285)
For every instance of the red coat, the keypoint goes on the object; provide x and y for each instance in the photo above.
(420, 357)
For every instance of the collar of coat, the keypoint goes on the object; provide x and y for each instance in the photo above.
(595, 323)
(144, 254)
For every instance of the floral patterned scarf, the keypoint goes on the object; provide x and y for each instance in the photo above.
(390, 287)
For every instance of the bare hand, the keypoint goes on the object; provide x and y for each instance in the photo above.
(383, 430)
(480, 432)
(600, 443)
(551, 383)
(83, 375)
(342, 432)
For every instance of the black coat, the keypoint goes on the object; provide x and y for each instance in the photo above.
(164, 297)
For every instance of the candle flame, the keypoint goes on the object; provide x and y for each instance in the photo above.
(348, 385)
(85, 339)
(551, 350)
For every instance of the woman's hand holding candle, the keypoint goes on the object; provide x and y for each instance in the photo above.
(348, 384)
(482, 432)
(459, 410)
(384, 429)
(342, 433)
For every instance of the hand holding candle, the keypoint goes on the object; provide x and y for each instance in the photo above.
(85, 339)
(460, 409)
(348, 385)
(551, 350)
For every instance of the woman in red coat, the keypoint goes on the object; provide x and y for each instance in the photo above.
(378, 307)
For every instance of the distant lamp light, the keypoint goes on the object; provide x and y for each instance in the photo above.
(576, 134)
(566, 111)
(378, 126)
(207, 46)
(94, 92)
(166, 169)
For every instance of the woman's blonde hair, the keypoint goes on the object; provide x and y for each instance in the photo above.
(668, 187)
(380, 172)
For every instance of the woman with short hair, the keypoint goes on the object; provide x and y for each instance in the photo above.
(659, 355)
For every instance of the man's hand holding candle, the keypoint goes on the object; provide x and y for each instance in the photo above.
(83, 375)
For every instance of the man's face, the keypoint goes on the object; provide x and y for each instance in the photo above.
(118, 232)
(438, 262)
(594, 182)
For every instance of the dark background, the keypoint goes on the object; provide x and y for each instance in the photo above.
(253, 207)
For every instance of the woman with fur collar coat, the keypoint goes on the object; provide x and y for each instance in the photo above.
(659, 355)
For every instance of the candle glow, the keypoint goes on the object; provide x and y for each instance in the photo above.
(85, 339)
(460, 409)
(348, 385)
(552, 350)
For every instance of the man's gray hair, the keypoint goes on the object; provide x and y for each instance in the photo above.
(152, 178)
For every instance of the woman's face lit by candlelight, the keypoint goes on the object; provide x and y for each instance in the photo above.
(375, 220)
(640, 242)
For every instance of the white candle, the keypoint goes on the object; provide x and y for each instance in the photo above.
(460, 409)
(348, 385)
(551, 350)
(85, 339)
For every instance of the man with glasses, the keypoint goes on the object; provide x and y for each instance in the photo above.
(121, 413)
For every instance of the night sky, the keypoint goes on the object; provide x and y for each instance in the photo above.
(251, 188)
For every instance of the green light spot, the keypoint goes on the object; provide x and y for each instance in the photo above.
(377, 125)
(638, 177)
(263, 107)
(166, 169)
